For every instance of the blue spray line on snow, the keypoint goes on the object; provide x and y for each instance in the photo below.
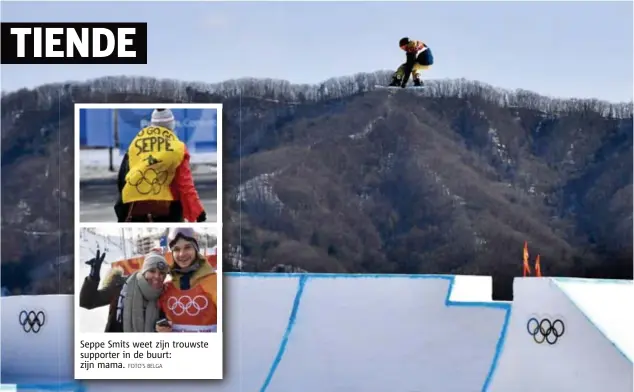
(303, 278)
(289, 328)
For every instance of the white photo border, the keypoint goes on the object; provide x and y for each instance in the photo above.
(212, 365)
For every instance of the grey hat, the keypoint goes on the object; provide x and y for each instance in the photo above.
(163, 118)
(154, 260)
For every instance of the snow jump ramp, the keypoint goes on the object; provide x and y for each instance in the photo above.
(568, 335)
(293, 332)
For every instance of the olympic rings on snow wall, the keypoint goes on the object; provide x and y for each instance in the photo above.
(292, 290)
(545, 329)
(296, 301)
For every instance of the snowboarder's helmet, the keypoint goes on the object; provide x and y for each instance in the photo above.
(188, 234)
(403, 41)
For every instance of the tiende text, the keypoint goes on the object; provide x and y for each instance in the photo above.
(74, 43)
(97, 42)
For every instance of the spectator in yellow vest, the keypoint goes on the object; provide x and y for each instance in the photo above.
(155, 181)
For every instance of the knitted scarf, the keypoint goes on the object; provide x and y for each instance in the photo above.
(140, 307)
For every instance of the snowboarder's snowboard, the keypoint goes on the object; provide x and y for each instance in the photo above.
(401, 88)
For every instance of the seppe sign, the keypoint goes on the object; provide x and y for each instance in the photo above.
(197, 128)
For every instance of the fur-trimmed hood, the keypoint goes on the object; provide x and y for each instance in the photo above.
(115, 277)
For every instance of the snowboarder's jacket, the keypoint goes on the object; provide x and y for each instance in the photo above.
(190, 300)
(414, 47)
(417, 56)
(155, 179)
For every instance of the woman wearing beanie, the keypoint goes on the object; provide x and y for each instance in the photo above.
(137, 307)
(155, 181)
(189, 300)
(133, 300)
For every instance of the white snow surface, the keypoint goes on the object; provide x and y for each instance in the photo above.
(583, 358)
(593, 297)
(323, 332)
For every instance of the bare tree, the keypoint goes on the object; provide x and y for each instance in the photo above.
(281, 90)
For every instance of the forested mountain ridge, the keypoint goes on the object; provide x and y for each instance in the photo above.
(342, 177)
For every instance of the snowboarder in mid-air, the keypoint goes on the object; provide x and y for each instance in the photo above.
(418, 58)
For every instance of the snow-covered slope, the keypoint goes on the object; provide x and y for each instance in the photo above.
(363, 332)
(588, 351)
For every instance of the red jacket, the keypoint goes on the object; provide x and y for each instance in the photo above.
(183, 189)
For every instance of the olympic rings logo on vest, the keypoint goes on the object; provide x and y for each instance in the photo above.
(187, 305)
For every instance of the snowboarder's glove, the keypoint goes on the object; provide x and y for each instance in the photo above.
(95, 265)
(202, 217)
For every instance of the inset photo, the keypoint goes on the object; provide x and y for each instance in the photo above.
(148, 162)
(144, 284)
(159, 279)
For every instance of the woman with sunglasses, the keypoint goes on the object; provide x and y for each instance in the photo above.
(418, 57)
